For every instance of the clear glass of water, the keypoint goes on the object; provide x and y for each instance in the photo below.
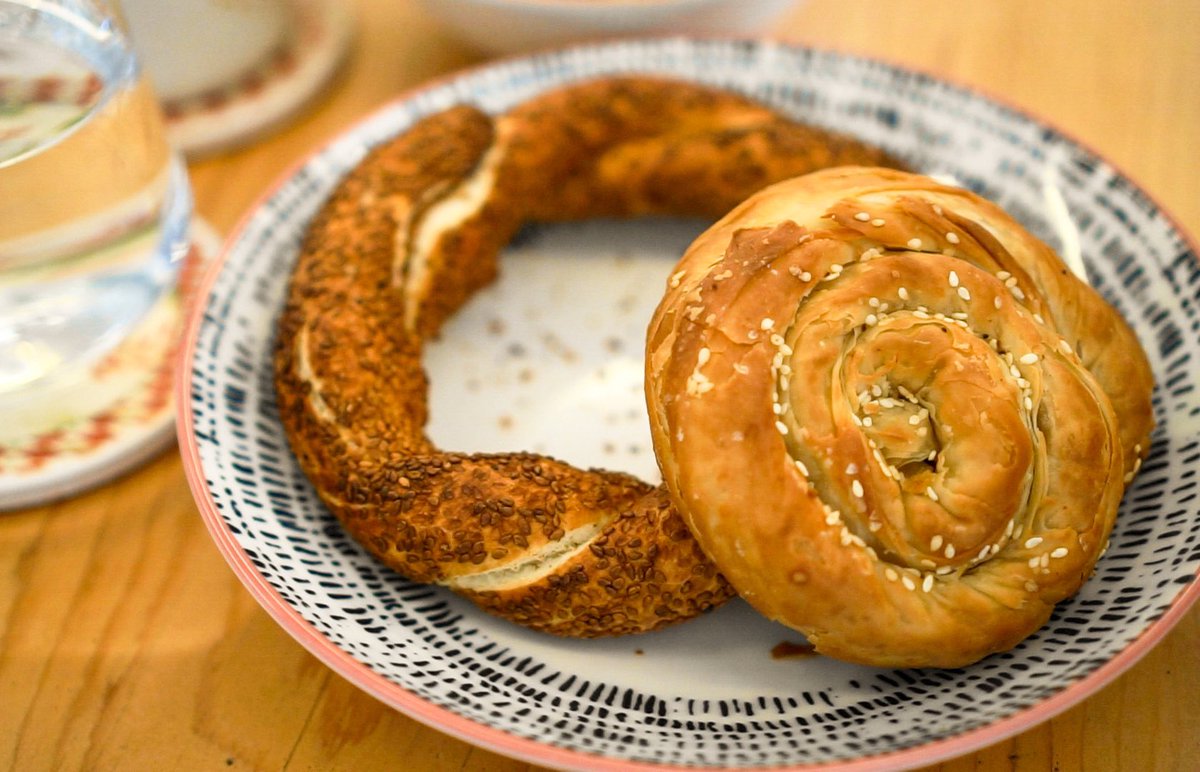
(94, 204)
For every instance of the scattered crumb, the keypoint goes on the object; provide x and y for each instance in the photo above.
(790, 650)
(505, 421)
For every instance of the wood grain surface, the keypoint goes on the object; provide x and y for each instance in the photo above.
(126, 643)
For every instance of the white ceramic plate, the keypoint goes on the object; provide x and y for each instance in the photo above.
(549, 359)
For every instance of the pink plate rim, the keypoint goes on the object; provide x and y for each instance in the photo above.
(499, 741)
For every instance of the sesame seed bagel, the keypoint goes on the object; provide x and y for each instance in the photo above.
(892, 417)
(404, 240)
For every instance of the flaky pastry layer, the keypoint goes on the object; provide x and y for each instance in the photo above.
(891, 416)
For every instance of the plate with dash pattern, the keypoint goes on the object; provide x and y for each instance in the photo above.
(549, 359)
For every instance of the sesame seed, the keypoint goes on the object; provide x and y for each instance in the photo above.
(931, 493)
(1031, 586)
(914, 419)
(1029, 359)
(846, 537)
(996, 302)
(857, 487)
(1038, 318)
(1017, 293)
(1064, 346)
(877, 222)
(872, 320)
(805, 276)
(1061, 552)
(891, 574)
(935, 543)
(832, 517)
(949, 551)
(963, 293)
(1028, 404)
(954, 278)
(937, 209)
(903, 293)
(942, 571)
(914, 243)
(1002, 275)
(852, 469)
(952, 237)
(874, 525)
(868, 421)
(908, 583)
(862, 217)
(873, 302)
(836, 268)
(782, 427)
(803, 469)
(703, 356)
(983, 553)
(927, 584)
(767, 323)
(1034, 561)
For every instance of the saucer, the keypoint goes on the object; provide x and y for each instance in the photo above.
(234, 114)
(92, 447)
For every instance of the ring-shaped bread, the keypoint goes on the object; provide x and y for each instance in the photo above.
(892, 417)
(404, 240)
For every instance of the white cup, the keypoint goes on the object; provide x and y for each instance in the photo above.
(189, 47)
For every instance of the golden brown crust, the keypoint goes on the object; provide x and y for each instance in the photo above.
(404, 240)
(867, 402)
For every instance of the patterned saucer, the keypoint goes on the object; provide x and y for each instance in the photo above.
(88, 447)
(318, 36)
(536, 362)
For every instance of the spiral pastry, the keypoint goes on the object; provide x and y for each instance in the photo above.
(892, 417)
(404, 240)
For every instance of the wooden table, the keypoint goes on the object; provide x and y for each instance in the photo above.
(127, 643)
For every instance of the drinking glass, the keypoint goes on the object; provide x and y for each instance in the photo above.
(94, 204)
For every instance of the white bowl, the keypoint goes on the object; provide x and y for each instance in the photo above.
(510, 26)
